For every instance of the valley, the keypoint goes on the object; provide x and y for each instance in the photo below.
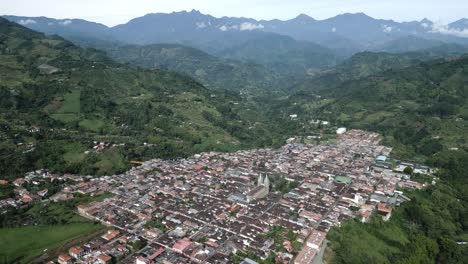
(187, 138)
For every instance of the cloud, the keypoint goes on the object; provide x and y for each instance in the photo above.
(66, 22)
(333, 29)
(387, 29)
(27, 21)
(201, 25)
(444, 29)
(223, 28)
(226, 28)
(250, 26)
(424, 25)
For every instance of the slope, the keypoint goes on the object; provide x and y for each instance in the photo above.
(211, 71)
(421, 109)
(59, 101)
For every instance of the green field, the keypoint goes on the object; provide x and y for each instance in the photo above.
(23, 244)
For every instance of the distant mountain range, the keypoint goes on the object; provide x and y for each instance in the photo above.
(346, 33)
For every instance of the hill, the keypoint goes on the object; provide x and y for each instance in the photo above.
(421, 109)
(408, 44)
(211, 71)
(59, 101)
(369, 63)
(283, 54)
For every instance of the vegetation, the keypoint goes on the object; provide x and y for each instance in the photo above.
(23, 244)
(77, 97)
(26, 232)
(424, 230)
(211, 71)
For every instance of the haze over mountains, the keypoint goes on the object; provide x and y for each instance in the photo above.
(248, 54)
(345, 33)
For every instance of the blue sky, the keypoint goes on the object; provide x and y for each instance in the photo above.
(112, 12)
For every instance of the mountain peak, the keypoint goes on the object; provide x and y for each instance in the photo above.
(359, 15)
(304, 17)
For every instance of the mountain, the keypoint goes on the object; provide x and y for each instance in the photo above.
(59, 101)
(344, 34)
(283, 54)
(408, 44)
(420, 109)
(365, 64)
(63, 27)
(358, 66)
(460, 25)
(211, 71)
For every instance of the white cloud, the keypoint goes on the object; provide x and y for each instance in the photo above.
(27, 21)
(226, 28)
(223, 28)
(444, 29)
(201, 25)
(387, 29)
(66, 22)
(250, 26)
(333, 29)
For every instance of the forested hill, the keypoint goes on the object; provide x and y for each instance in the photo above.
(365, 64)
(211, 71)
(58, 102)
(421, 109)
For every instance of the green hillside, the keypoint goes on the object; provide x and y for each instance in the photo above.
(369, 63)
(57, 101)
(213, 72)
(283, 55)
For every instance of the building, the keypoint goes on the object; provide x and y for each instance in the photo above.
(64, 259)
(142, 260)
(104, 259)
(384, 210)
(261, 190)
(310, 250)
(248, 261)
(315, 240)
(111, 234)
(76, 252)
(341, 130)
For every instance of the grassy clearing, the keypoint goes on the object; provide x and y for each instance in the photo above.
(92, 125)
(23, 244)
(71, 103)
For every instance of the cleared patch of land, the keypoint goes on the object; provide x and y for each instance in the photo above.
(23, 244)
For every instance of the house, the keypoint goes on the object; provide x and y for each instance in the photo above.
(64, 259)
(111, 234)
(43, 192)
(104, 259)
(181, 245)
(18, 182)
(76, 252)
(384, 210)
(142, 260)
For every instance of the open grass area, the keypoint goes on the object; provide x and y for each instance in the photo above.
(23, 244)
(91, 125)
(71, 102)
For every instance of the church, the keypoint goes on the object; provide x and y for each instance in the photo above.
(261, 190)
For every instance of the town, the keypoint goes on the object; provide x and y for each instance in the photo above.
(276, 204)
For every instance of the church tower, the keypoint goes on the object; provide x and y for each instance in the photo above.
(260, 180)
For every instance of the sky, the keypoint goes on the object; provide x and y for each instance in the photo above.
(114, 12)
